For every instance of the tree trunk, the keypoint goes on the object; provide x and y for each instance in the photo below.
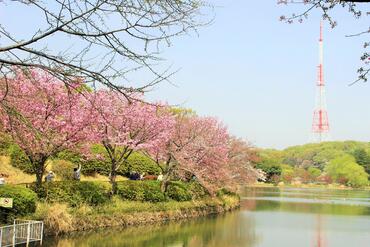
(167, 177)
(39, 166)
(112, 177)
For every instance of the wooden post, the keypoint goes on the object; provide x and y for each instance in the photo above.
(42, 232)
(14, 233)
(28, 233)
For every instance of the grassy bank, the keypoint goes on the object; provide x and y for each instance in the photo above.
(61, 219)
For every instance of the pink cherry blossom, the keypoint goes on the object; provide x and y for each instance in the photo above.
(43, 116)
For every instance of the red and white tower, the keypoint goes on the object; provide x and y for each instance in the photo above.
(320, 124)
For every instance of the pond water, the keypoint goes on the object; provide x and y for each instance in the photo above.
(268, 217)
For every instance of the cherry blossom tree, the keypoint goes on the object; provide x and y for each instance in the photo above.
(43, 116)
(124, 127)
(242, 158)
(198, 146)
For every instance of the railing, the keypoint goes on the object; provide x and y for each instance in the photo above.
(21, 232)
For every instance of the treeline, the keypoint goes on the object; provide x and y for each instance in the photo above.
(346, 163)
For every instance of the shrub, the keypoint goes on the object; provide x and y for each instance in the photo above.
(99, 162)
(141, 163)
(152, 192)
(197, 190)
(24, 202)
(19, 159)
(63, 169)
(149, 191)
(89, 166)
(75, 193)
(131, 190)
(57, 219)
(178, 191)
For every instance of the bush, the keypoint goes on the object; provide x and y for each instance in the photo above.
(178, 191)
(63, 169)
(197, 190)
(24, 202)
(100, 163)
(57, 219)
(149, 191)
(141, 163)
(75, 193)
(19, 159)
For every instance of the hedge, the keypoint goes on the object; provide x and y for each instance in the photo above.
(149, 191)
(75, 193)
(137, 162)
(24, 202)
(178, 191)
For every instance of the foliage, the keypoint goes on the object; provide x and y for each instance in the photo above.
(138, 162)
(24, 202)
(345, 170)
(63, 169)
(178, 191)
(149, 191)
(362, 158)
(197, 190)
(272, 171)
(74, 193)
(308, 162)
(314, 173)
(19, 159)
(287, 173)
(98, 162)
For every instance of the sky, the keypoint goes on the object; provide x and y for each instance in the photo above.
(257, 74)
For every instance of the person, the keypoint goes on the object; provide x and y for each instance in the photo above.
(160, 177)
(50, 177)
(77, 173)
(134, 176)
(2, 181)
(142, 175)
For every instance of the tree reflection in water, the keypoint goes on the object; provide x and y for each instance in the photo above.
(235, 229)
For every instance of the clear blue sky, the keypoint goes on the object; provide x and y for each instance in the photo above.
(258, 75)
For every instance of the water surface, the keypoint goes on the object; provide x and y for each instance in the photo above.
(268, 217)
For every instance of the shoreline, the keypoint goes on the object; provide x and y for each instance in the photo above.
(309, 186)
(66, 221)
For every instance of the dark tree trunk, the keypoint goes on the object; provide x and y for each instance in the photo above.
(167, 177)
(113, 176)
(39, 166)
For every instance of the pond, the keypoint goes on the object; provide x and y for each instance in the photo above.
(268, 217)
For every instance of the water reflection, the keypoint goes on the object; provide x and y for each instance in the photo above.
(224, 231)
(268, 217)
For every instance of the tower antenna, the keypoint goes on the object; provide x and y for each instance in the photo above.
(320, 124)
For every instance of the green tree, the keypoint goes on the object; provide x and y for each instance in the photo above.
(362, 158)
(344, 169)
(314, 173)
